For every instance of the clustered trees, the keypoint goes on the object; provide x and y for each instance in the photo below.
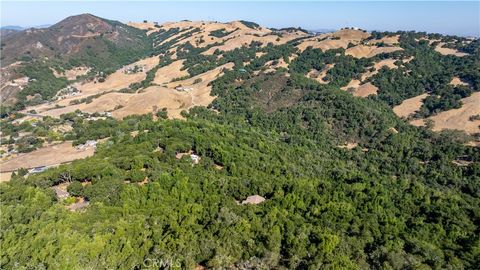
(398, 200)
(401, 204)
(428, 72)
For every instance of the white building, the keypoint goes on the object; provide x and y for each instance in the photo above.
(195, 158)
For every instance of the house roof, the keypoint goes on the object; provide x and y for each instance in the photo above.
(255, 199)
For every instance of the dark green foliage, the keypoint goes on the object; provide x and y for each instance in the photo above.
(151, 75)
(443, 99)
(109, 57)
(250, 24)
(219, 33)
(396, 201)
(346, 67)
(75, 189)
(292, 29)
(28, 143)
(162, 114)
(42, 81)
(162, 35)
(321, 200)
(100, 53)
(428, 72)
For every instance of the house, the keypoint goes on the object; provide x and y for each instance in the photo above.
(91, 143)
(87, 144)
(255, 199)
(195, 158)
(61, 191)
(38, 169)
(107, 114)
(183, 89)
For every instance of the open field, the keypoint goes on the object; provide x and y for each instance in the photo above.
(167, 73)
(120, 79)
(152, 98)
(338, 39)
(359, 89)
(389, 63)
(409, 106)
(47, 156)
(457, 81)
(457, 118)
(116, 81)
(320, 75)
(448, 51)
(389, 40)
(365, 90)
(361, 51)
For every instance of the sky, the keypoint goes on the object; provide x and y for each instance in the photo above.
(445, 17)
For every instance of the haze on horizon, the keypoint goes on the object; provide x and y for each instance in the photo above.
(445, 17)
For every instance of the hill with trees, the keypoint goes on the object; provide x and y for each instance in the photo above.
(283, 167)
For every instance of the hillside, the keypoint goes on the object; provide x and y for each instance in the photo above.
(77, 41)
(4, 32)
(70, 37)
(228, 145)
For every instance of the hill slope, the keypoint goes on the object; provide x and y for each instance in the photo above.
(235, 146)
(72, 36)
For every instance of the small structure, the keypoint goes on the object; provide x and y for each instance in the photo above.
(195, 158)
(183, 89)
(87, 144)
(69, 91)
(91, 143)
(393, 130)
(61, 191)
(93, 118)
(255, 199)
(134, 69)
(38, 169)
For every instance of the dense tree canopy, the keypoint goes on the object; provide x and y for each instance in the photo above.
(397, 197)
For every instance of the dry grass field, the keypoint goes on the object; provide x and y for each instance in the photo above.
(458, 119)
(361, 51)
(448, 51)
(46, 156)
(409, 106)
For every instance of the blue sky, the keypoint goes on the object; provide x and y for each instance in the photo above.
(446, 17)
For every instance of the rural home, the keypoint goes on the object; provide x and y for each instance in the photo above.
(61, 191)
(255, 199)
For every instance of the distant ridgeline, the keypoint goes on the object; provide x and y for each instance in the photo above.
(347, 183)
(418, 67)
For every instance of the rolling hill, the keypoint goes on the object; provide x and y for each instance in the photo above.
(71, 37)
(229, 145)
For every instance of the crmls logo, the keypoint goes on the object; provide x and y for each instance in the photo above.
(161, 264)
